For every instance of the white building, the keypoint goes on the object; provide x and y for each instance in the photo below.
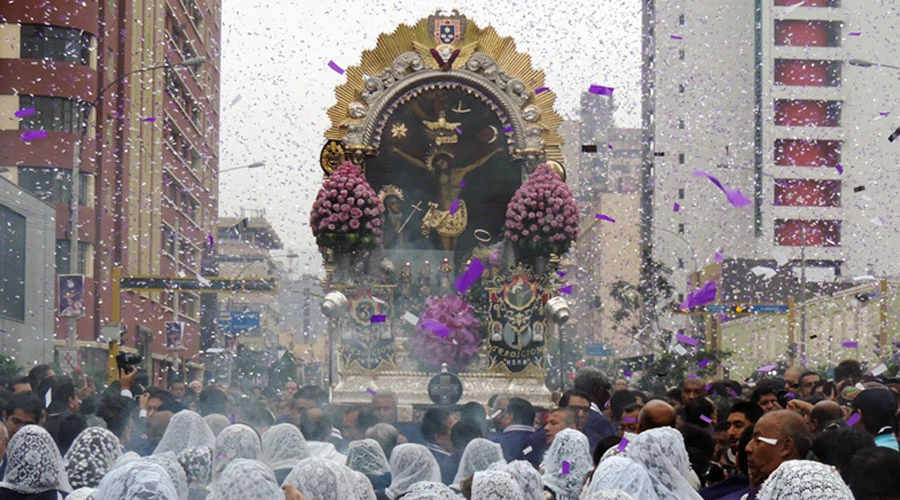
(762, 96)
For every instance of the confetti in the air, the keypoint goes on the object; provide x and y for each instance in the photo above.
(540, 90)
(703, 362)
(767, 368)
(468, 278)
(436, 327)
(622, 444)
(566, 467)
(462, 184)
(605, 217)
(410, 318)
(378, 318)
(626, 373)
(600, 90)
(508, 129)
(720, 257)
(854, 33)
(735, 197)
(676, 207)
(675, 37)
(680, 350)
(527, 450)
(561, 274)
(371, 391)
(700, 297)
(333, 65)
(859, 189)
(839, 168)
(25, 112)
(850, 344)
(33, 135)
(149, 119)
(894, 136)
(684, 339)
(233, 420)
(566, 289)
(853, 419)
(706, 419)
(629, 420)
(708, 387)
(878, 370)
(454, 207)
(459, 130)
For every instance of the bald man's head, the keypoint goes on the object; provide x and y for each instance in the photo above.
(655, 414)
(822, 413)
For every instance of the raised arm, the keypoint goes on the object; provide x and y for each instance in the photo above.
(481, 161)
(415, 161)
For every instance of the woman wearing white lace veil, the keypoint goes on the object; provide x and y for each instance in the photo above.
(322, 479)
(411, 463)
(528, 478)
(169, 462)
(430, 490)
(608, 495)
(362, 488)
(661, 451)
(186, 429)
(495, 485)
(91, 455)
(367, 456)
(197, 464)
(34, 467)
(136, 480)
(802, 479)
(245, 479)
(82, 494)
(478, 456)
(217, 422)
(566, 463)
(620, 473)
(235, 441)
(283, 447)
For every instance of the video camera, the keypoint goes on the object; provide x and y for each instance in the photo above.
(127, 361)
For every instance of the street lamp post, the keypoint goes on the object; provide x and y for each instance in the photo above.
(84, 110)
(257, 164)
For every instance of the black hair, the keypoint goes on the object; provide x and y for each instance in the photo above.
(873, 474)
(760, 391)
(848, 369)
(69, 428)
(521, 410)
(22, 379)
(25, 401)
(746, 436)
(312, 393)
(366, 419)
(63, 389)
(116, 411)
(751, 410)
(604, 445)
(212, 400)
(565, 399)
(89, 405)
(594, 382)
(315, 427)
(434, 422)
(698, 438)
(475, 413)
(38, 374)
(836, 447)
(696, 409)
(618, 401)
(463, 432)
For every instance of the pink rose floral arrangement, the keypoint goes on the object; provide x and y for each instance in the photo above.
(542, 216)
(457, 347)
(347, 213)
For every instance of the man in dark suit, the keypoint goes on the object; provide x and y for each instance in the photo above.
(516, 427)
(436, 426)
(597, 386)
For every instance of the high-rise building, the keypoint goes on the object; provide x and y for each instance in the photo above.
(770, 98)
(147, 186)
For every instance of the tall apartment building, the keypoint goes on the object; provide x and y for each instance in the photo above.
(762, 95)
(147, 186)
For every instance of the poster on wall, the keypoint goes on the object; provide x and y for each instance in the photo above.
(175, 335)
(71, 296)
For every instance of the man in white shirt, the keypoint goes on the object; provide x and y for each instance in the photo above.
(316, 428)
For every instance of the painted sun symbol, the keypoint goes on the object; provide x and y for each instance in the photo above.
(398, 130)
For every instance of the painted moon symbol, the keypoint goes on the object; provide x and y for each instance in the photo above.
(494, 130)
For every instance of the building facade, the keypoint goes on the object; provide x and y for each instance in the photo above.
(768, 97)
(147, 187)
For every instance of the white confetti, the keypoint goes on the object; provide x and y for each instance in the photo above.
(878, 370)
(766, 272)
(411, 318)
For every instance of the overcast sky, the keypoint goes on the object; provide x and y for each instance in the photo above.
(277, 86)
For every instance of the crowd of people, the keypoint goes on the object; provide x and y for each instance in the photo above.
(799, 436)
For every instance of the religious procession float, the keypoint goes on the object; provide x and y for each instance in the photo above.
(442, 218)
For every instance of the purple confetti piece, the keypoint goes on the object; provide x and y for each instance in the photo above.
(703, 362)
(540, 90)
(706, 419)
(458, 130)
(25, 112)
(853, 419)
(622, 445)
(675, 37)
(737, 198)
(211, 240)
(684, 339)
(561, 274)
(454, 207)
(566, 289)
(220, 456)
(232, 419)
(468, 278)
(629, 420)
(149, 119)
(850, 344)
(371, 391)
(462, 184)
(605, 217)
(600, 90)
(854, 33)
(333, 65)
(884, 113)
(700, 297)
(33, 135)
(720, 257)
(626, 373)
(734, 393)
(691, 375)
(378, 318)
(566, 468)
(767, 368)
(610, 147)
(708, 387)
(791, 395)
(839, 168)
(676, 208)
(436, 327)
(509, 129)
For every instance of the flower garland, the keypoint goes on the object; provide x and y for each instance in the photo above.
(347, 213)
(542, 216)
(459, 346)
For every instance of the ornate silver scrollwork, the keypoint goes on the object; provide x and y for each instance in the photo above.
(533, 138)
(405, 63)
(487, 66)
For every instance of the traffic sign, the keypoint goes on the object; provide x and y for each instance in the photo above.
(242, 322)
(598, 350)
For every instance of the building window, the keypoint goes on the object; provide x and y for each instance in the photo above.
(680, 228)
(54, 185)
(55, 114)
(681, 158)
(55, 43)
(12, 264)
(680, 193)
(85, 264)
